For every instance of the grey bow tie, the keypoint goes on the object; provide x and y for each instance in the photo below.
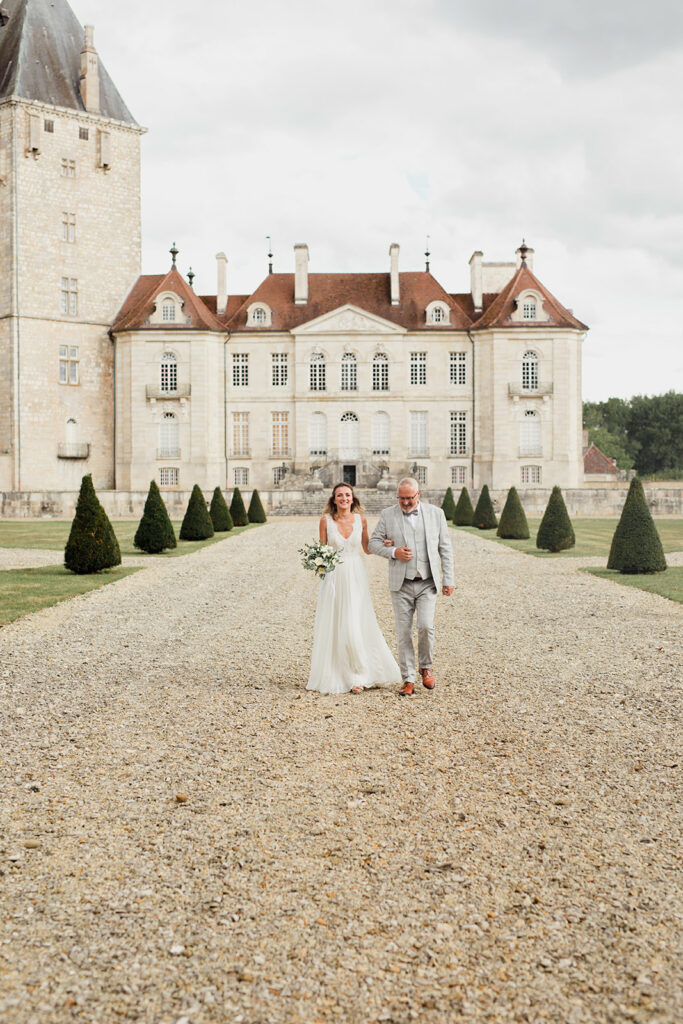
(415, 512)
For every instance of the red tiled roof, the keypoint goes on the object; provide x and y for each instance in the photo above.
(498, 312)
(595, 461)
(370, 292)
(139, 305)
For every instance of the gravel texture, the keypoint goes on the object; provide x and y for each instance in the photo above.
(188, 836)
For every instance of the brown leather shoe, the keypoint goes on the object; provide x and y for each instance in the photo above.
(428, 680)
(408, 690)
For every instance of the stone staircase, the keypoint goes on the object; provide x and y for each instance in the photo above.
(372, 500)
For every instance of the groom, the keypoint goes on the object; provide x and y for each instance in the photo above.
(419, 538)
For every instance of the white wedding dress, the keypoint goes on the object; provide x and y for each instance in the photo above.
(348, 647)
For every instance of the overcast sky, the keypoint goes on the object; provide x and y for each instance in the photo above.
(353, 125)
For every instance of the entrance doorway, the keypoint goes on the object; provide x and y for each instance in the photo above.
(349, 474)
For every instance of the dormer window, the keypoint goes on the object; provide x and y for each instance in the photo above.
(168, 312)
(259, 315)
(529, 309)
(437, 313)
(168, 309)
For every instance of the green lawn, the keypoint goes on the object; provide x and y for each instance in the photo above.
(593, 537)
(27, 590)
(52, 535)
(666, 584)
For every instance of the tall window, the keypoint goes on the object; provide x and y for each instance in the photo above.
(458, 368)
(71, 431)
(168, 372)
(169, 442)
(418, 367)
(68, 364)
(530, 434)
(279, 368)
(279, 473)
(380, 372)
(84, 133)
(530, 371)
(240, 476)
(168, 476)
(68, 227)
(68, 168)
(317, 434)
(280, 435)
(70, 296)
(348, 436)
(531, 474)
(240, 369)
(381, 433)
(421, 475)
(349, 372)
(458, 434)
(317, 372)
(168, 311)
(240, 434)
(458, 474)
(418, 434)
(529, 309)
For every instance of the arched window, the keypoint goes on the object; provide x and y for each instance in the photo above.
(317, 372)
(530, 371)
(380, 372)
(168, 380)
(71, 431)
(529, 308)
(317, 434)
(349, 372)
(530, 434)
(259, 315)
(168, 311)
(348, 436)
(381, 433)
(437, 313)
(169, 447)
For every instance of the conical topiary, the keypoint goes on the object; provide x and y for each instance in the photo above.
(220, 513)
(197, 523)
(256, 512)
(237, 509)
(636, 545)
(484, 518)
(448, 504)
(463, 510)
(92, 543)
(556, 532)
(513, 524)
(155, 532)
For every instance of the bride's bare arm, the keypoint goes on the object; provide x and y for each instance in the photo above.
(364, 537)
(323, 530)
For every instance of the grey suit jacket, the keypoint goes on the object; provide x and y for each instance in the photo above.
(439, 550)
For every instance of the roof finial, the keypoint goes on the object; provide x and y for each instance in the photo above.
(523, 250)
(427, 255)
(270, 254)
(191, 276)
(174, 253)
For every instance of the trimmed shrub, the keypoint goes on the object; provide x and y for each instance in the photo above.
(556, 532)
(237, 509)
(463, 510)
(155, 532)
(448, 504)
(197, 523)
(636, 545)
(256, 512)
(92, 543)
(484, 518)
(513, 524)
(220, 513)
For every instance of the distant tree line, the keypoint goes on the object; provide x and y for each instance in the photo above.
(644, 433)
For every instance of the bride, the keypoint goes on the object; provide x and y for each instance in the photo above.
(349, 652)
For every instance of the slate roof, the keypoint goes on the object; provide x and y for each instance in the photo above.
(595, 461)
(498, 312)
(140, 303)
(40, 58)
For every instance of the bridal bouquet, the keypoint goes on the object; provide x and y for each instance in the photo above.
(319, 558)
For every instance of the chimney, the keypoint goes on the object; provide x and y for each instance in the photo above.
(300, 274)
(476, 279)
(90, 73)
(222, 284)
(394, 250)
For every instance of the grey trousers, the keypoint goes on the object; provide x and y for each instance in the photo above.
(414, 596)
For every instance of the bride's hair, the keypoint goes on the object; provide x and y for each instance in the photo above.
(331, 507)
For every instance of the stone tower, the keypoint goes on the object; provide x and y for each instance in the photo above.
(69, 247)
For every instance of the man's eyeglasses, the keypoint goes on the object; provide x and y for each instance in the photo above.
(408, 497)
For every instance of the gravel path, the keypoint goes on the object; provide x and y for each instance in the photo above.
(504, 849)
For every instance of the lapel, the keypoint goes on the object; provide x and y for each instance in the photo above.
(398, 516)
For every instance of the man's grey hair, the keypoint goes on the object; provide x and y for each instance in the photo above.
(408, 480)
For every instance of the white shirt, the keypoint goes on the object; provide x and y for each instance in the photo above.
(411, 520)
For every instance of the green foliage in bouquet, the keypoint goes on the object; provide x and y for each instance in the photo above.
(92, 544)
(197, 523)
(484, 518)
(155, 532)
(256, 512)
(448, 504)
(463, 510)
(636, 545)
(237, 509)
(556, 532)
(220, 513)
(513, 524)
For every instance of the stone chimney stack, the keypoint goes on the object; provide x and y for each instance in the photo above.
(90, 73)
(394, 250)
(222, 283)
(476, 280)
(300, 274)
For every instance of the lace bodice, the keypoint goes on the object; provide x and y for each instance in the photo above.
(352, 544)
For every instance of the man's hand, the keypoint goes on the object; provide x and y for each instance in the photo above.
(447, 591)
(403, 554)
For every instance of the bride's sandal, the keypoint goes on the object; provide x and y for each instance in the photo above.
(357, 689)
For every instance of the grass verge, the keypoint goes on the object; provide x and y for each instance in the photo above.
(52, 535)
(666, 584)
(593, 537)
(28, 590)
